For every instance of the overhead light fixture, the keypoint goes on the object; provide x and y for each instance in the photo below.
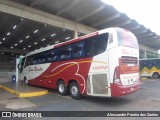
(29, 46)
(2, 53)
(57, 42)
(67, 38)
(35, 31)
(21, 18)
(12, 54)
(53, 35)
(43, 39)
(4, 38)
(21, 41)
(36, 43)
(8, 33)
(15, 45)
(11, 47)
(14, 26)
(0, 42)
(64, 29)
(27, 36)
(45, 25)
(24, 48)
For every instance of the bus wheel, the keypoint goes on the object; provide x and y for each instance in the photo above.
(74, 90)
(155, 75)
(62, 89)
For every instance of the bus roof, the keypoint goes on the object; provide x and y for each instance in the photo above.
(74, 40)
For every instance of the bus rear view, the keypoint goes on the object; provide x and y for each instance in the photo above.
(125, 64)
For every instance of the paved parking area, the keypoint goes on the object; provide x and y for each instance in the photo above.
(146, 99)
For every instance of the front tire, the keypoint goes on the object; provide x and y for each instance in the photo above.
(75, 91)
(62, 89)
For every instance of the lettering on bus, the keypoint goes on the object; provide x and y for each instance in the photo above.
(100, 68)
(30, 69)
(129, 52)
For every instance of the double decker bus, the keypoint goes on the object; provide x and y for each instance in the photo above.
(103, 63)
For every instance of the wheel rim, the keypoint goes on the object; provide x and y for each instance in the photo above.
(74, 90)
(61, 88)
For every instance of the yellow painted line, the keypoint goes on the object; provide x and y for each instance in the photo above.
(30, 94)
(144, 78)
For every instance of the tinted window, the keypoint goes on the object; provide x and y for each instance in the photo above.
(51, 55)
(96, 45)
(78, 50)
(89, 47)
(65, 52)
(100, 43)
(41, 58)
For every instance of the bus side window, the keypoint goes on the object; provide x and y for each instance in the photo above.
(65, 52)
(100, 43)
(78, 50)
(51, 55)
(89, 47)
(42, 58)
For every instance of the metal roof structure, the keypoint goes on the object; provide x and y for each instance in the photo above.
(18, 33)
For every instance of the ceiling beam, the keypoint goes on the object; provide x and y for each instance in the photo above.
(17, 9)
(124, 23)
(107, 19)
(68, 6)
(96, 10)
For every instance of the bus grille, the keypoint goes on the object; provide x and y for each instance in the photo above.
(99, 82)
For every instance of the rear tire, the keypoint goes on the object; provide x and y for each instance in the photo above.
(75, 90)
(155, 75)
(62, 89)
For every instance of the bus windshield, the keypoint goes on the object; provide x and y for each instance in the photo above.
(126, 38)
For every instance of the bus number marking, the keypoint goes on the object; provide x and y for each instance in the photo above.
(100, 68)
(35, 69)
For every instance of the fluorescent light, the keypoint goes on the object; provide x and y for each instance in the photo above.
(35, 31)
(11, 47)
(27, 36)
(53, 35)
(64, 29)
(29, 46)
(57, 42)
(21, 41)
(21, 18)
(0, 42)
(2, 53)
(14, 26)
(15, 45)
(36, 43)
(45, 25)
(4, 38)
(8, 33)
(12, 54)
(24, 48)
(67, 38)
(43, 39)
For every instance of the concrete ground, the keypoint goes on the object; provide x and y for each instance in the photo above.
(146, 99)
